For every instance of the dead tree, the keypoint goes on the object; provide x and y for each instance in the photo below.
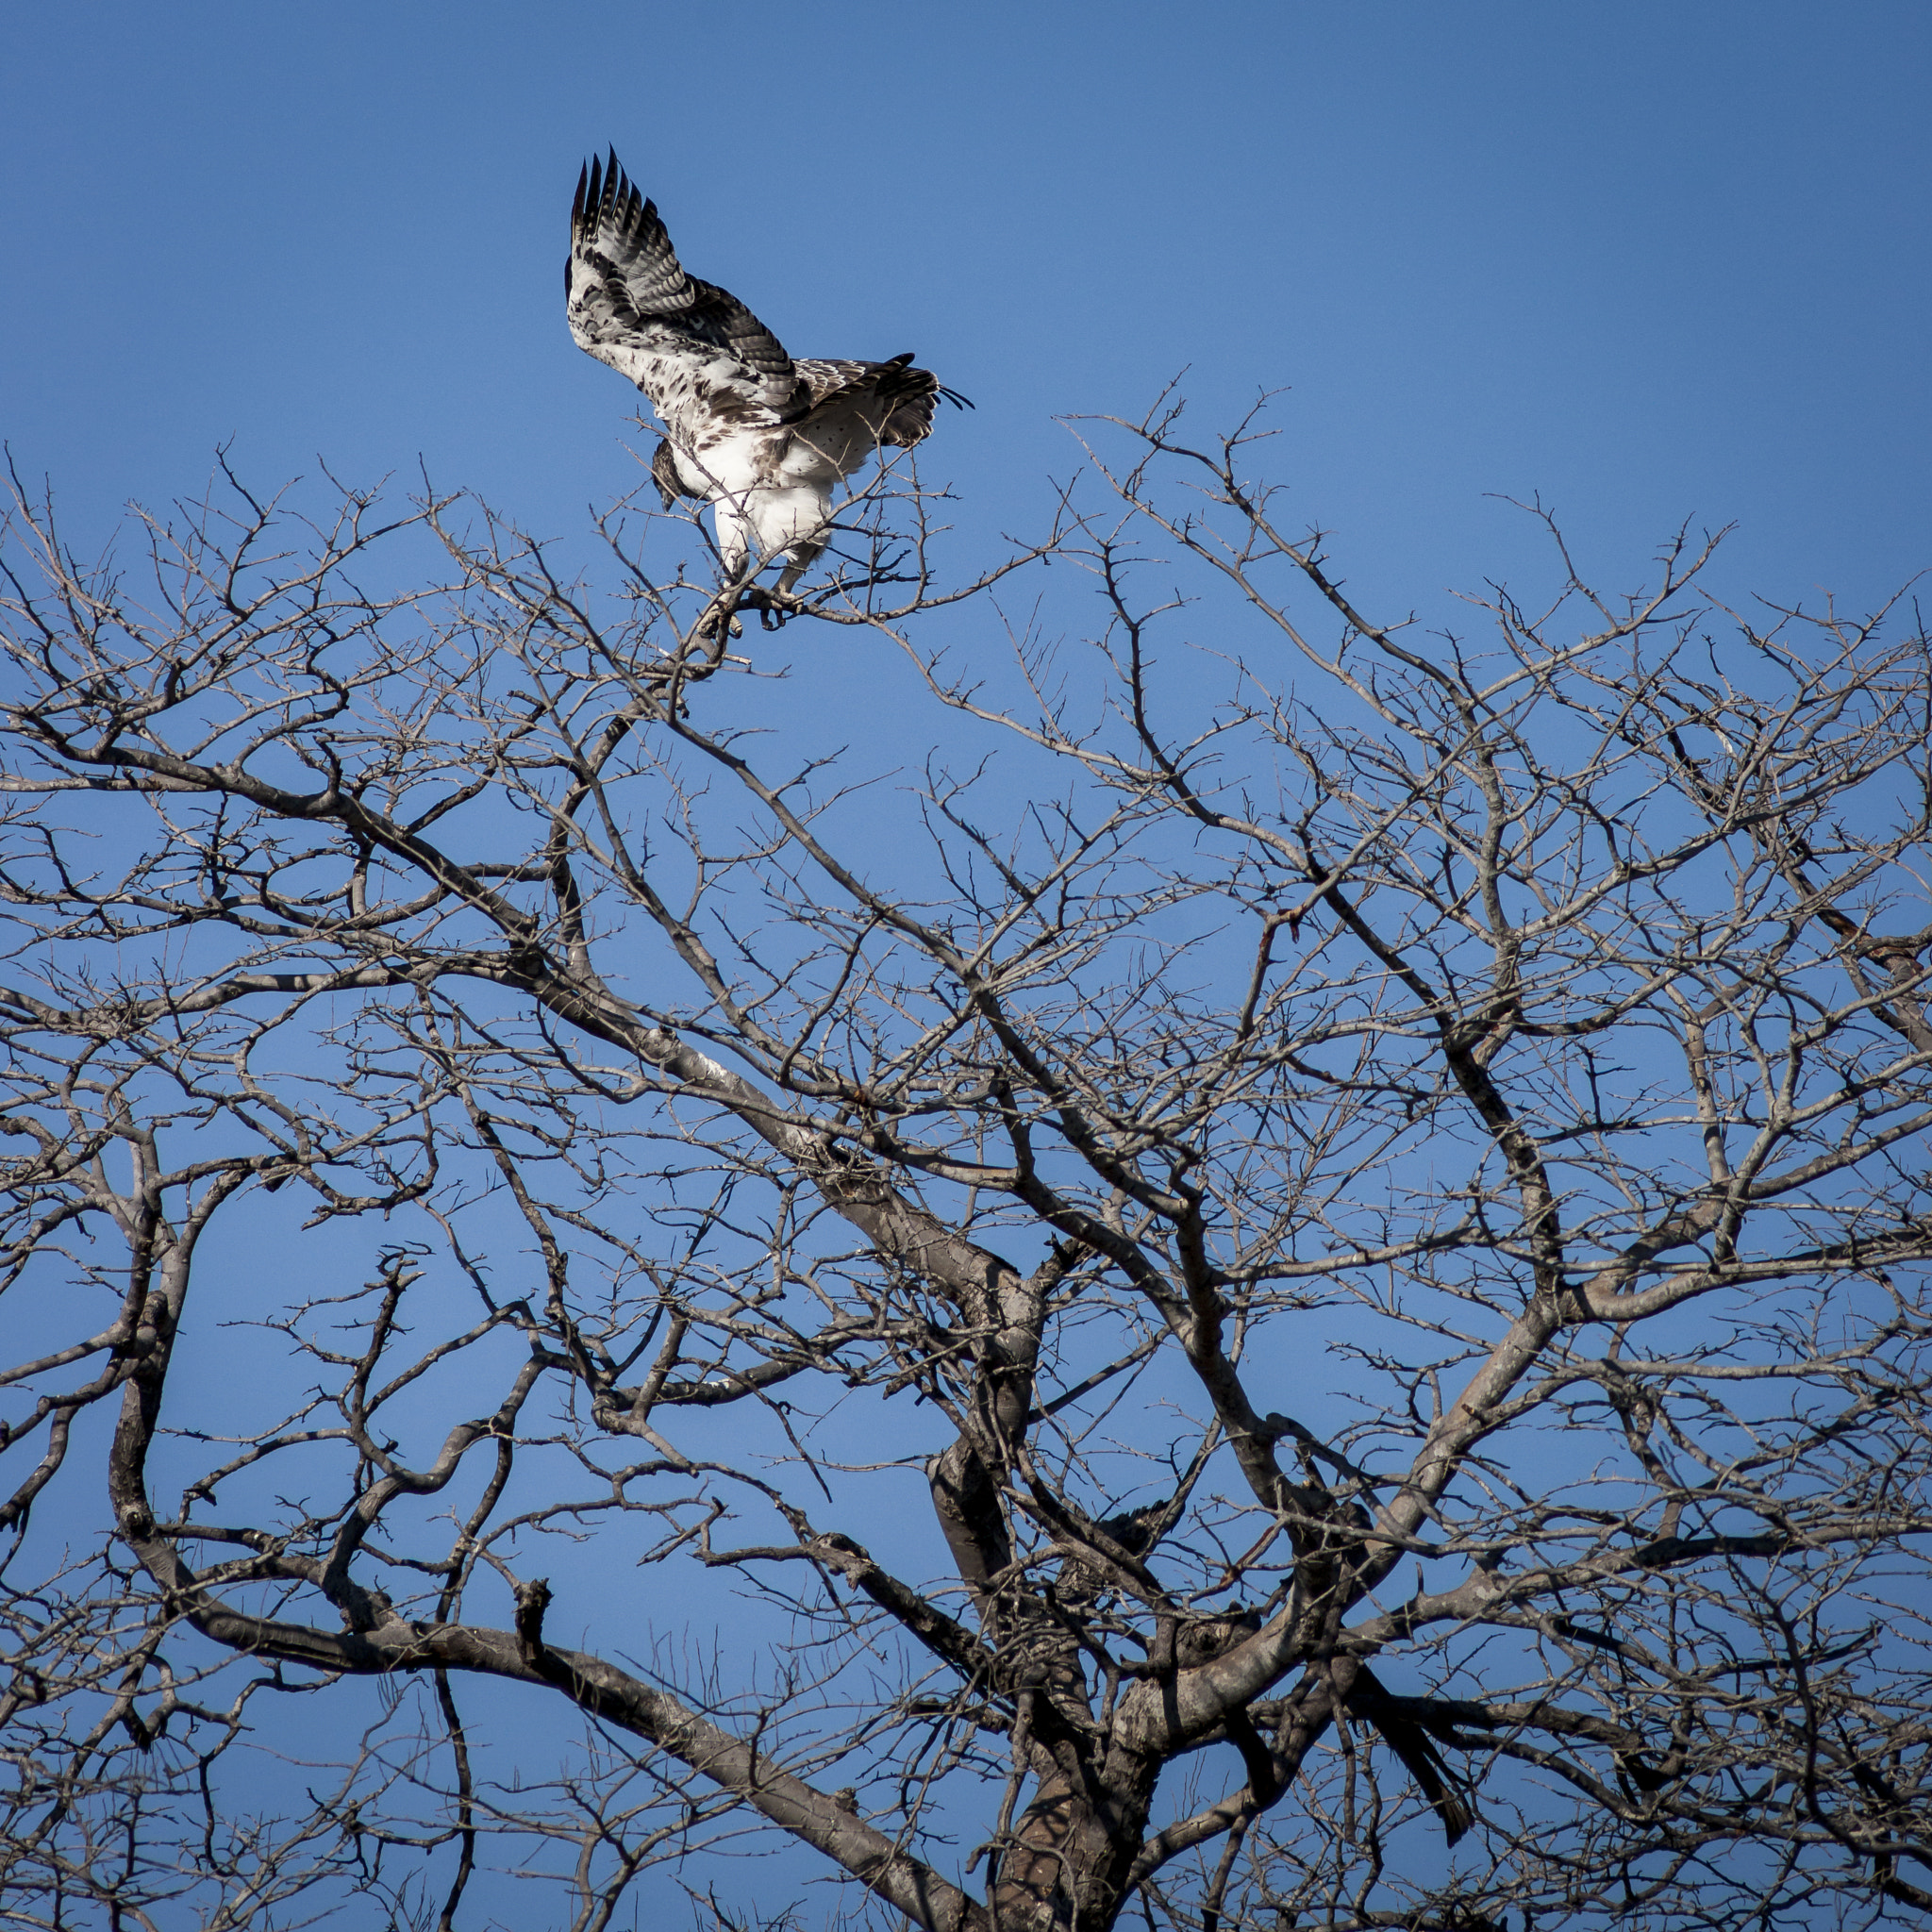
(1284, 1255)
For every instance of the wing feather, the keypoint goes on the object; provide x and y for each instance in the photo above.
(862, 405)
(709, 366)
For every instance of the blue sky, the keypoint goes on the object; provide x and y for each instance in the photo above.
(1654, 261)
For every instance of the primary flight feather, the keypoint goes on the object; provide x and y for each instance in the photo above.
(760, 436)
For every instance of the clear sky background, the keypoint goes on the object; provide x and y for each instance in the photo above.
(1652, 261)
(1655, 262)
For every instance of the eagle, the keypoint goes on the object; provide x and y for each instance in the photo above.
(763, 437)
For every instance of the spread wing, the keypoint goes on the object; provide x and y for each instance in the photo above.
(709, 366)
(858, 406)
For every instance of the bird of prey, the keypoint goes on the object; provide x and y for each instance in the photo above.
(762, 438)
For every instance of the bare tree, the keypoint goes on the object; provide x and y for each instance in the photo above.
(1289, 1276)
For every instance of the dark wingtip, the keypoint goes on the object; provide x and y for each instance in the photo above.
(619, 205)
(576, 207)
(593, 193)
